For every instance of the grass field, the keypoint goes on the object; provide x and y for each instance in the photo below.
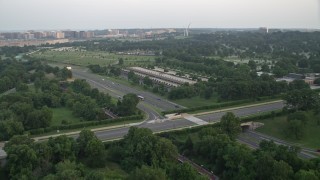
(195, 101)
(276, 127)
(60, 114)
(86, 58)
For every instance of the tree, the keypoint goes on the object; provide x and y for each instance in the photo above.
(183, 171)
(268, 168)
(147, 81)
(148, 173)
(296, 128)
(94, 148)
(84, 137)
(304, 99)
(252, 64)
(18, 140)
(68, 170)
(298, 84)
(265, 68)
(95, 175)
(306, 175)
(141, 147)
(299, 115)
(188, 146)
(10, 128)
(39, 118)
(317, 81)
(63, 148)
(115, 71)
(230, 124)
(133, 77)
(128, 104)
(22, 159)
(238, 162)
(22, 87)
(120, 61)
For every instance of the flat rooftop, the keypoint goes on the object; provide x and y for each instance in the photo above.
(161, 75)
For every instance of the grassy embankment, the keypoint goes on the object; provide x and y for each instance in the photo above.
(277, 128)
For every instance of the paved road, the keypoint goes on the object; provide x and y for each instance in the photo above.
(258, 137)
(244, 111)
(116, 89)
(163, 125)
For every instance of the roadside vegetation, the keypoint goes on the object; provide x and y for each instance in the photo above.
(143, 155)
(53, 103)
(88, 158)
(229, 65)
(37, 98)
(302, 124)
(308, 135)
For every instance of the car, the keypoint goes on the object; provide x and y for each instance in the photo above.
(176, 106)
(318, 150)
(158, 99)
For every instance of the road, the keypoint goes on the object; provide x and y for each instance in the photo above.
(213, 117)
(156, 122)
(149, 105)
(200, 169)
(253, 138)
(166, 124)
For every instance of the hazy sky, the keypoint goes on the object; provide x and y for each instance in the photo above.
(104, 14)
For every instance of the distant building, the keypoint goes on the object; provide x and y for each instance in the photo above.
(89, 34)
(82, 34)
(59, 35)
(38, 35)
(161, 77)
(295, 76)
(264, 30)
(70, 34)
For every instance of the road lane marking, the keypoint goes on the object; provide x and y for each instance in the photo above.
(195, 120)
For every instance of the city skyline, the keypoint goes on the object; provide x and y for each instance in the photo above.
(16, 15)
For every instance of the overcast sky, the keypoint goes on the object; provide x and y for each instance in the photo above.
(105, 14)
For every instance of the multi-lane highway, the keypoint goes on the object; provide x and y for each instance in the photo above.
(155, 121)
(253, 138)
(149, 105)
(170, 124)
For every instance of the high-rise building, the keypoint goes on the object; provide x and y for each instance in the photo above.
(38, 35)
(82, 34)
(89, 34)
(70, 34)
(59, 35)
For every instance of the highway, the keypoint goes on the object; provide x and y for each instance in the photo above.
(253, 138)
(166, 124)
(149, 105)
(155, 121)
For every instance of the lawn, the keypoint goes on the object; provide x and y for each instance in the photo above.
(86, 58)
(276, 127)
(195, 101)
(60, 114)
